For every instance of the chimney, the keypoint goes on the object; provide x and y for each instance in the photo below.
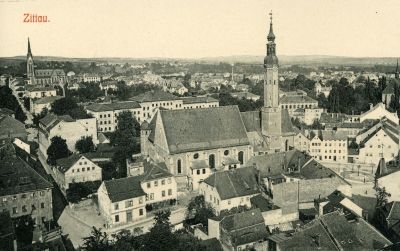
(371, 106)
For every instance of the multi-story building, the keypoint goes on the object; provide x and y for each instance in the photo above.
(199, 102)
(121, 200)
(329, 146)
(23, 191)
(301, 142)
(106, 113)
(379, 141)
(91, 78)
(40, 92)
(67, 128)
(75, 169)
(293, 102)
(225, 190)
(144, 107)
(37, 105)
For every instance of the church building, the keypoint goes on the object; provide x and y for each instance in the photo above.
(201, 141)
(43, 76)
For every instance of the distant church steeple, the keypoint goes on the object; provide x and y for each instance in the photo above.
(271, 112)
(30, 69)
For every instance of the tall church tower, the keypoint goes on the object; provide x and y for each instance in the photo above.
(271, 112)
(30, 70)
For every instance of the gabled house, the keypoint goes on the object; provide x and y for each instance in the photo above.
(67, 128)
(240, 231)
(225, 190)
(75, 169)
(121, 200)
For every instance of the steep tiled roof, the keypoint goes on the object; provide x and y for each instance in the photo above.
(200, 129)
(17, 177)
(153, 171)
(65, 164)
(51, 120)
(234, 183)
(124, 188)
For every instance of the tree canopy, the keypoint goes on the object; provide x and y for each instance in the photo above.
(58, 149)
(85, 144)
(124, 138)
(68, 106)
(9, 101)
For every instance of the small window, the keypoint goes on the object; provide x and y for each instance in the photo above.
(117, 218)
(163, 193)
(42, 205)
(169, 192)
(196, 156)
(156, 183)
(162, 182)
(148, 184)
(116, 206)
(198, 171)
(141, 212)
(226, 152)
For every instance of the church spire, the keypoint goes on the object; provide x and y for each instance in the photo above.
(271, 35)
(270, 58)
(29, 47)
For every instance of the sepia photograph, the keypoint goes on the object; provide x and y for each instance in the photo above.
(199, 125)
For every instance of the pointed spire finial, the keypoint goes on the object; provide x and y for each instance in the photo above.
(270, 16)
(29, 47)
(271, 36)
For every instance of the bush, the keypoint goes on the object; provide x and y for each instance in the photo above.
(78, 191)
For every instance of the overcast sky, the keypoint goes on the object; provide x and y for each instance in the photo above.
(200, 28)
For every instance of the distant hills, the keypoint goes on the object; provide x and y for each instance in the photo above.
(248, 59)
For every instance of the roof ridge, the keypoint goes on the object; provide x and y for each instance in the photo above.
(230, 181)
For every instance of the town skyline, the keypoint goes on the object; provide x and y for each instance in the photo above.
(192, 30)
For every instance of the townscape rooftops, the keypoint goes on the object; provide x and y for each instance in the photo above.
(153, 96)
(333, 232)
(17, 177)
(234, 183)
(124, 188)
(200, 129)
(103, 107)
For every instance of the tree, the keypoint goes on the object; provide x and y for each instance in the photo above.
(97, 241)
(7, 100)
(124, 138)
(58, 149)
(160, 236)
(198, 211)
(381, 196)
(85, 144)
(63, 106)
